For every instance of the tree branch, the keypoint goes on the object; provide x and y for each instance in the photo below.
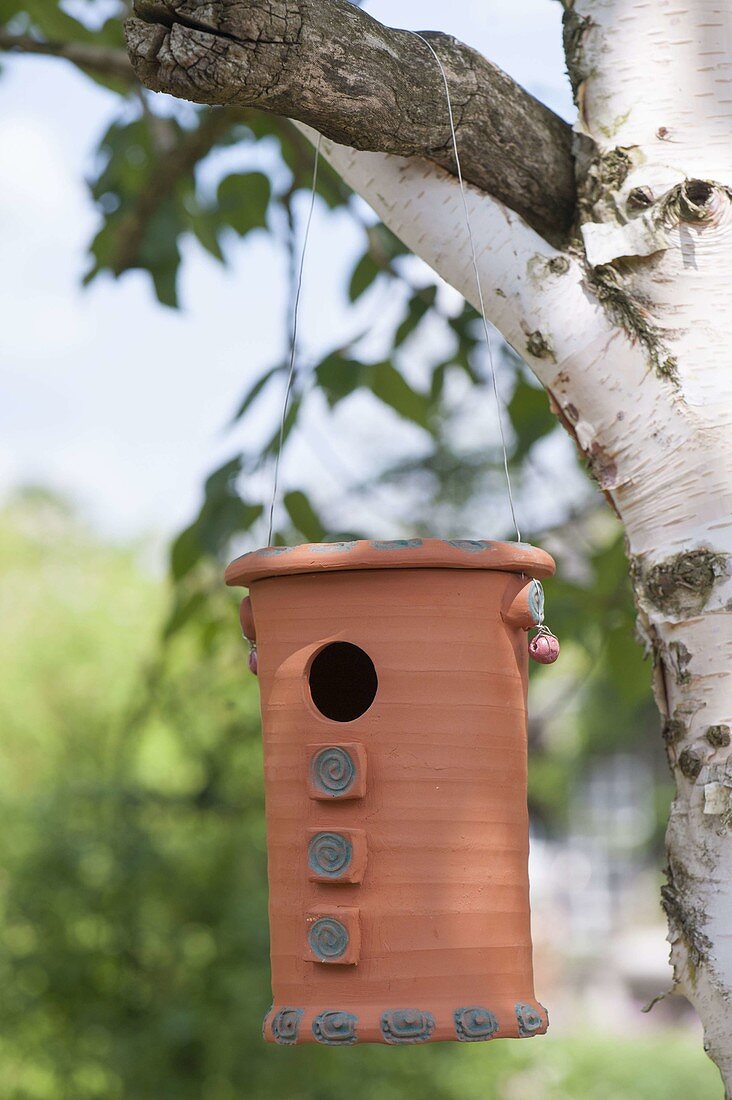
(100, 60)
(328, 64)
(521, 275)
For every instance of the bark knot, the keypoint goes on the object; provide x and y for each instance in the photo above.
(690, 764)
(696, 200)
(718, 736)
(538, 346)
(681, 585)
(673, 730)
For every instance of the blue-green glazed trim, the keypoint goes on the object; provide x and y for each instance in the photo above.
(333, 771)
(270, 552)
(396, 544)
(528, 1018)
(407, 1025)
(328, 938)
(330, 854)
(535, 600)
(286, 1025)
(331, 547)
(335, 1028)
(472, 546)
(475, 1024)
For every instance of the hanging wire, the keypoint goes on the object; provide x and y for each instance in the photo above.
(474, 259)
(293, 343)
(479, 288)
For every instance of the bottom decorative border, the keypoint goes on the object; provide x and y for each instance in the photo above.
(290, 1026)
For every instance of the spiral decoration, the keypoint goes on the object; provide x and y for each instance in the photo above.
(407, 1025)
(286, 1024)
(335, 1028)
(475, 1024)
(328, 938)
(333, 770)
(329, 854)
(529, 1020)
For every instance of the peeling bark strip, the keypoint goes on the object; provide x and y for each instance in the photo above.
(686, 918)
(328, 64)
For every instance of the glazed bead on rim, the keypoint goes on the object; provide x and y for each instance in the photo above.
(544, 648)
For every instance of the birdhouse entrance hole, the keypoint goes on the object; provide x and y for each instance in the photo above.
(343, 681)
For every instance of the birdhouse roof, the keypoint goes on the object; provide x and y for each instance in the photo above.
(320, 557)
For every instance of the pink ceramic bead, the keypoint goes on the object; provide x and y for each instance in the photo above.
(253, 663)
(544, 648)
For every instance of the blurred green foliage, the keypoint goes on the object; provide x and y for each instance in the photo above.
(134, 954)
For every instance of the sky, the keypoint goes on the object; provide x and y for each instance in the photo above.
(116, 401)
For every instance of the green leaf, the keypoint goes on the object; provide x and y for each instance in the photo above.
(531, 417)
(242, 200)
(159, 252)
(437, 384)
(165, 281)
(384, 245)
(364, 274)
(131, 235)
(185, 551)
(220, 483)
(251, 396)
(228, 517)
(304, 516)
(206, 225)
(223, 514)
(290, 420)
(50, 20)
(390, 387)
(469, 334)
(626, 669)
(418, 306)
(338, 376)
(185, 607)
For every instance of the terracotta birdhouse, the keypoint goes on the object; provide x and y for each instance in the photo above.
(393, 683)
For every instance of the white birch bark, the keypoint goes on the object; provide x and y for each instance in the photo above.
(656, 81)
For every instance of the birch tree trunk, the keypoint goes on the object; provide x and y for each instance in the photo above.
(622, 308)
